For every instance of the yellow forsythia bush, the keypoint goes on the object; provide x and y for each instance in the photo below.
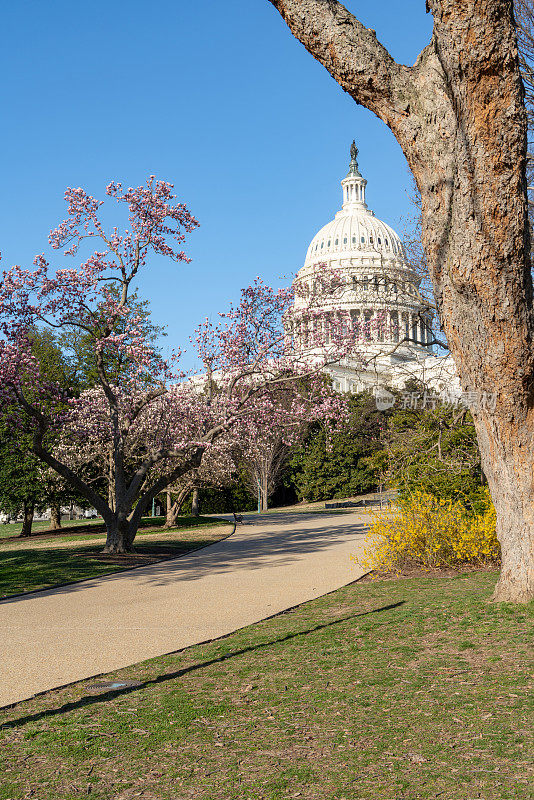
(426, 531)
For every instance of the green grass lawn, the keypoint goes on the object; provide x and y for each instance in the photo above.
(39, 526)
(412, 688)
(148, 524)
(24, 569)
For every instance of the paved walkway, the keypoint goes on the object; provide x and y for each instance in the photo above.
(271, 563)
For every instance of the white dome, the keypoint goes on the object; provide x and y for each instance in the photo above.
(353, 233)
(380, 284)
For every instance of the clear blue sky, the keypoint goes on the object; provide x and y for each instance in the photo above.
(216, 97)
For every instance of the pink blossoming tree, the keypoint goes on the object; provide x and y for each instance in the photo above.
(144, 424)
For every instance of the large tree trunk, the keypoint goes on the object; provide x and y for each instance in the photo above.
(28, 510)
(476, 236)
(459, 117)
(55, 517)
(123, 523)
(119, 538)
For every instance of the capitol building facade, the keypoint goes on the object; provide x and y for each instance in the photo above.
(381, 297)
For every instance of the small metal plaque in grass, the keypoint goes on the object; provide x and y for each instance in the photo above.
(115, 685)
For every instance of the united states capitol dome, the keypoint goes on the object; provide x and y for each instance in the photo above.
(381, 294)
(354, 230)
(380, 301)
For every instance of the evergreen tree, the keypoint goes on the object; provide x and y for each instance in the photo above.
(342, 464)
(435, 450)
(27, 485)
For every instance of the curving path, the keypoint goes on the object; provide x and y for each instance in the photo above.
(271, 563)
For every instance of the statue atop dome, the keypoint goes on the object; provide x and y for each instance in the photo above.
(353, 166)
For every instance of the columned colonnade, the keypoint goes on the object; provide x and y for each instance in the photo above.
(370, 325)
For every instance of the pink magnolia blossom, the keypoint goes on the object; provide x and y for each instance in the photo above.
(145, 424)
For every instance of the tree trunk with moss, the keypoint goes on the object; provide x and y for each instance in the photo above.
(459, 116)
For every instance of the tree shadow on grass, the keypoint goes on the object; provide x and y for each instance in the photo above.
(23, 572)
(27, 570)
(103, 697)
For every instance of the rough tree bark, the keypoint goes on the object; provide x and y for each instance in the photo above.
(459, 116)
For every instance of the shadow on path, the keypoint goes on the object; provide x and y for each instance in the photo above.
(289, 517)
(168, 676)
(247, 549)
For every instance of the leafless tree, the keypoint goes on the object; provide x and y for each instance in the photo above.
(524, 15)
(264, 460)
